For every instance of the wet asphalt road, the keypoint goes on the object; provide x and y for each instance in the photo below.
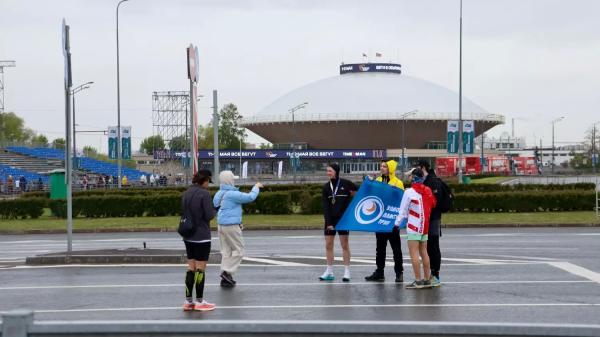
(549, 275)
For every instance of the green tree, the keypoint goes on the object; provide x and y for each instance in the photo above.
(178, 143)
(12, 128)
(265, 146)
(90, 151)
(149, 144)
(230, 131)
(58, 143)
(39, 141)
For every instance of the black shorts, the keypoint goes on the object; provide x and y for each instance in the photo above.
(198, 251)
(333, 232)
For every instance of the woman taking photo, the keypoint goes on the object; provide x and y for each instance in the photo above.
(337, 193)
(229, 200)
(196, 204)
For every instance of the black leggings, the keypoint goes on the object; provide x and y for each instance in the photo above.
(435, 255)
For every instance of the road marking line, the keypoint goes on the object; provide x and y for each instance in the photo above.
(287, 284)
(274, 262)
(335, 306)
(242, 265)
(577, 270)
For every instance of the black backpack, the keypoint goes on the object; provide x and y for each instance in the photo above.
(445, 201)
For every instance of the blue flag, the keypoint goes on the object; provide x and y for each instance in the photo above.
(374, 208)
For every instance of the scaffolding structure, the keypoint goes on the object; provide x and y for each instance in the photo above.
(4, 64)
(170, 117)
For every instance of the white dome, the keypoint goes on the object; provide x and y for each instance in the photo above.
(370, 96)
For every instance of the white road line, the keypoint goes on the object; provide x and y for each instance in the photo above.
(275, 262)
(286, 265)
(335, 306)
(287, 284)
(577, 270)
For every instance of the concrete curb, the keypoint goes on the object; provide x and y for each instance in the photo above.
(22, 324)
(116, 257)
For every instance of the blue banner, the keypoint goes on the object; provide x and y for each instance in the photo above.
(374, 208)
(279, 154)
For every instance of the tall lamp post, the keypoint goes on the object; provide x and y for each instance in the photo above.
(594, 154)
(294, 159)
(460, 122)
(410, 113)
(73, 92)
(119, 152)
(554, 122)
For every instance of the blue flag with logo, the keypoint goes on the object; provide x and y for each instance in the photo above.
(374, 208)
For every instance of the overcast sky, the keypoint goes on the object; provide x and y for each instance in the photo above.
(532, 60)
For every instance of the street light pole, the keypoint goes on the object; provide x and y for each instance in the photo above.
(119, 152)
(554, 122)
(460, 122)
(294, 159)
(410, 113)
(594, 159)
(73, 92)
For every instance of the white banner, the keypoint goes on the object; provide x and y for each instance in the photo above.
(245, 170)
(280, 169)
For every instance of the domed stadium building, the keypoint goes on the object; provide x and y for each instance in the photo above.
(367, 106)
(368, 112)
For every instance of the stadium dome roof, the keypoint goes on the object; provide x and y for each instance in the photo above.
(370, 96)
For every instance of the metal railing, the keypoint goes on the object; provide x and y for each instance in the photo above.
(366, 116)
(22, 324)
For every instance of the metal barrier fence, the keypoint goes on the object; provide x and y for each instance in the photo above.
(22, 324)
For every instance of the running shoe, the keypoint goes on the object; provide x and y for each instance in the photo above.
(375, 277)
(327, 277)
(204, 306)
(415, 285)
(435, 282)
(426, 283)
(227, 277)
(188, 306)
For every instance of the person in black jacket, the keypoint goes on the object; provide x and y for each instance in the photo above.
(197, 202)
(337, 193)
(435, 222)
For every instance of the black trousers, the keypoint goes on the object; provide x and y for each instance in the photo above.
(382, 240)
(435, 255)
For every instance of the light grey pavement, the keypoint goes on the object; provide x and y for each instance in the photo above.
(529, 275)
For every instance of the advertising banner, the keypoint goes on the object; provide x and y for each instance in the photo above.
(452, 137)
(112, 142)
(374, 208)
(126, 142)
(468, 137)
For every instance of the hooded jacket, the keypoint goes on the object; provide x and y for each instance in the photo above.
(417, 203)
(229, 200)
(393, 180)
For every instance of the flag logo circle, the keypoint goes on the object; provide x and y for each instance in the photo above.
(368, 210)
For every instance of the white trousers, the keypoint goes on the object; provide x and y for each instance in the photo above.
(232, 247)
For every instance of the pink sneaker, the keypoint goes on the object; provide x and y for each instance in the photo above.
(188, 306)
(204, 306)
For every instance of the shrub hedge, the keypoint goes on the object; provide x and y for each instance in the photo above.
(22, 208)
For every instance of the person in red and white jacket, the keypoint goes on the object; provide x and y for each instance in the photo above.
(415, 209)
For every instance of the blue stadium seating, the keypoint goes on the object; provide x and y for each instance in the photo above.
(88, 164)
(16, 173)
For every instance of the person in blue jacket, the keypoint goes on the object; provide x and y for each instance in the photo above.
(229, 200)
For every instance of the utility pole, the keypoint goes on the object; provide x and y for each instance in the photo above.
(119, 152)
(460, 122)
(294, 159)
(554, 122)
(410, 113)
(594, 154)
(216, 138)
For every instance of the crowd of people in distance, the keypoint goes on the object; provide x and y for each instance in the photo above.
(419, 209)
(15, 186)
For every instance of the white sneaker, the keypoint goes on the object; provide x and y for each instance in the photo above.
(346, 276)
(327, 276)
